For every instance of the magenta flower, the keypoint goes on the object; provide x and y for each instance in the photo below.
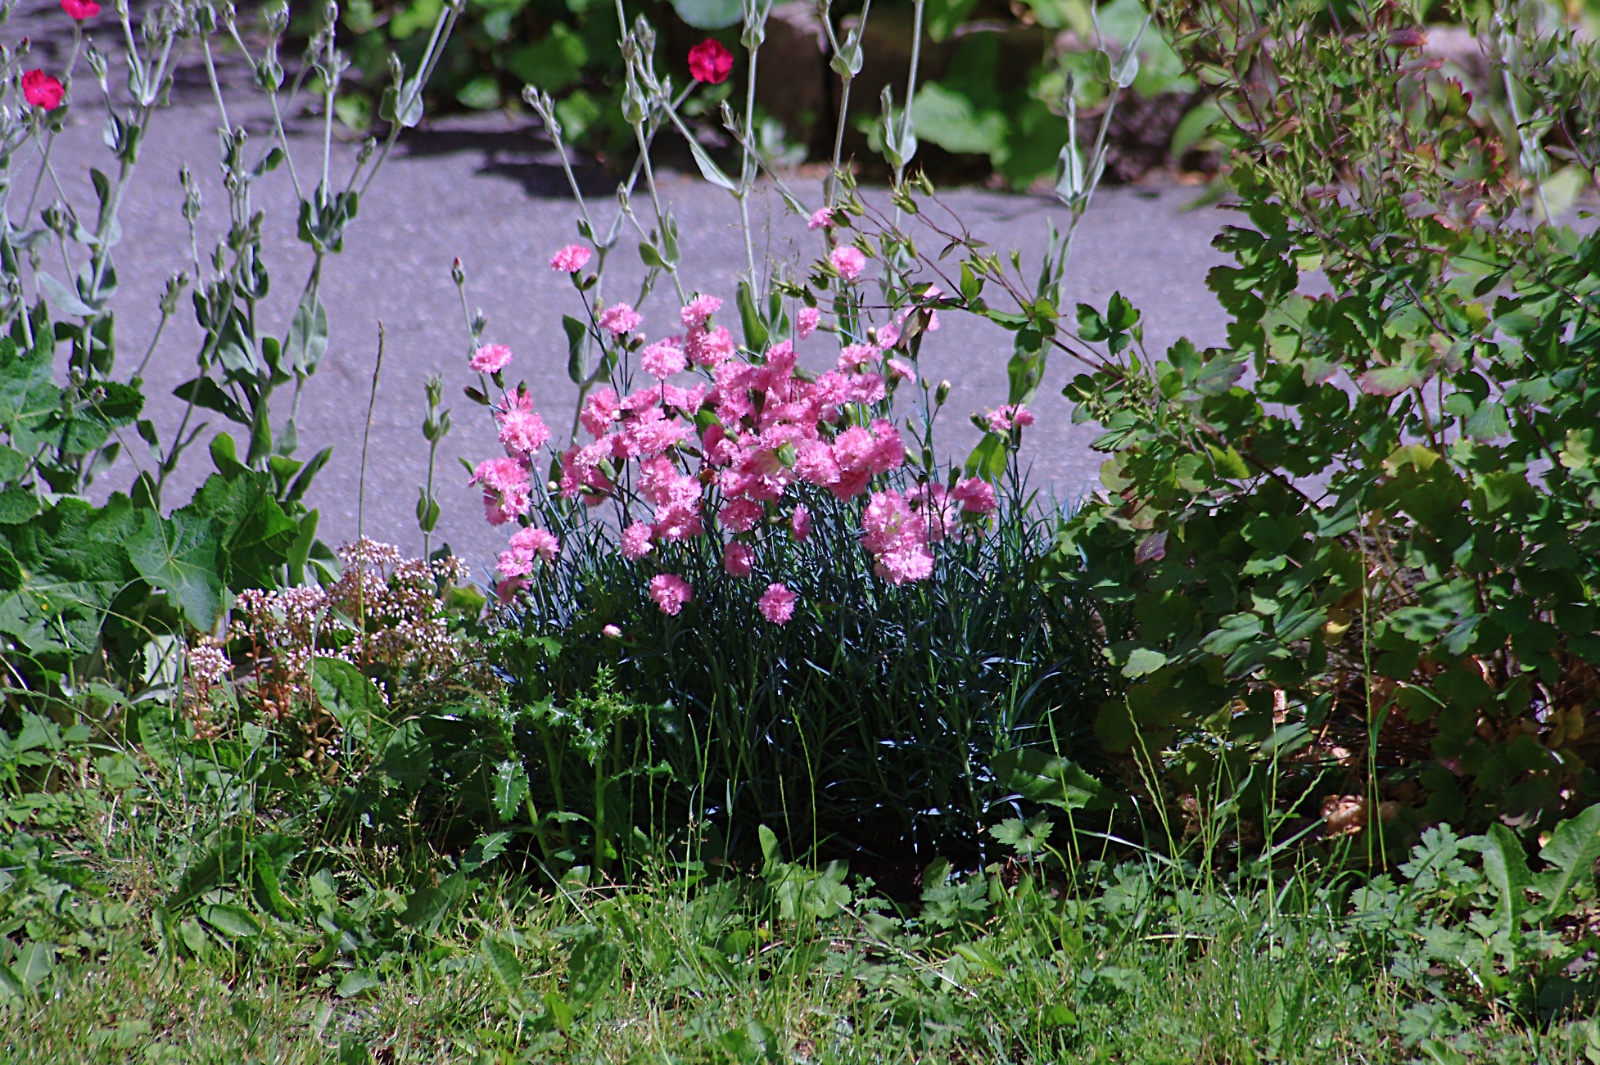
(800, 523)
(600, 410)
(611, 632)
(710, 62)
(491, 358)
(506, 493)
(710, 348)
(80, 10)
(41, 90)
(849, 261)
(855, 356)
(620, 319)
(526, 545)
(670, 592)
(695, 313)
(636, 541)
(736, 560)
(822, 216)
(571, 259)
(777, 604)
(807, 320)
(1011, 416)
(663, 359)
(900, 368)
(975, 495)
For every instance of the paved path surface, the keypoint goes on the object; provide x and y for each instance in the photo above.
(486, 190)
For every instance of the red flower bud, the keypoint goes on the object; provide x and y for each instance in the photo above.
(710, 62)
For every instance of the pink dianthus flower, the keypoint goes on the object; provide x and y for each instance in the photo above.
(79, 10)
(636, 541)
(710, 348)
(736, 560)
(539, 541)
(696, 311)
(822, 216)
(849, 261)
(777, 604)
(663, 359)
(975, 495)
(855, 356)
(740, 515)
(491, 358)
(800, 523)
(670, 592)
(522, 431)
(807, 320)
(620, 319)
(571, 259)
(600, 410)
(1011, 416)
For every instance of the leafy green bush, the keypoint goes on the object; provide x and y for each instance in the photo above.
(1368, 522)
(880, 719)
(93, 594)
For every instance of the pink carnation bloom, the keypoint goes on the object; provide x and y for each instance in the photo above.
(600, 410)
(526, 545)
(507, 589)
(80, 10)
(868, 388)
(670, 592)
(1004, 419)
(975, 495)
(506, 494)
(736, 560)
(636, 541)
(888, 335)
(710, 348)
(800, 523)
(777, 604)
(620, 319)
(538, 541)
(571, 259)
(500, 474)
(897, 537)
(695, 313)
(900, 369)
(663, 359)
(522, 431)
(849, 261)
(740, 515)
(807, 319)
(491, 358)
(905, 563)
(822, 216)
(855, 356)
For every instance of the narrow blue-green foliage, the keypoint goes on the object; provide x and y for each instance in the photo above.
(868, 722)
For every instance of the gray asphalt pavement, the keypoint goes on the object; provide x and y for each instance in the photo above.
(486, 190)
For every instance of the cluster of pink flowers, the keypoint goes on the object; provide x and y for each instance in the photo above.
(1011, 416)
(721, 456)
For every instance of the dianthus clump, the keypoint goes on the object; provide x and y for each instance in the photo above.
(729, 453)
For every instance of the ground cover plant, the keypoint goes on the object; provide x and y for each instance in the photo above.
(1273, 752)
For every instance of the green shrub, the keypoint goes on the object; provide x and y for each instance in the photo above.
(1360, 540)
(897, 721)
(94, 594)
